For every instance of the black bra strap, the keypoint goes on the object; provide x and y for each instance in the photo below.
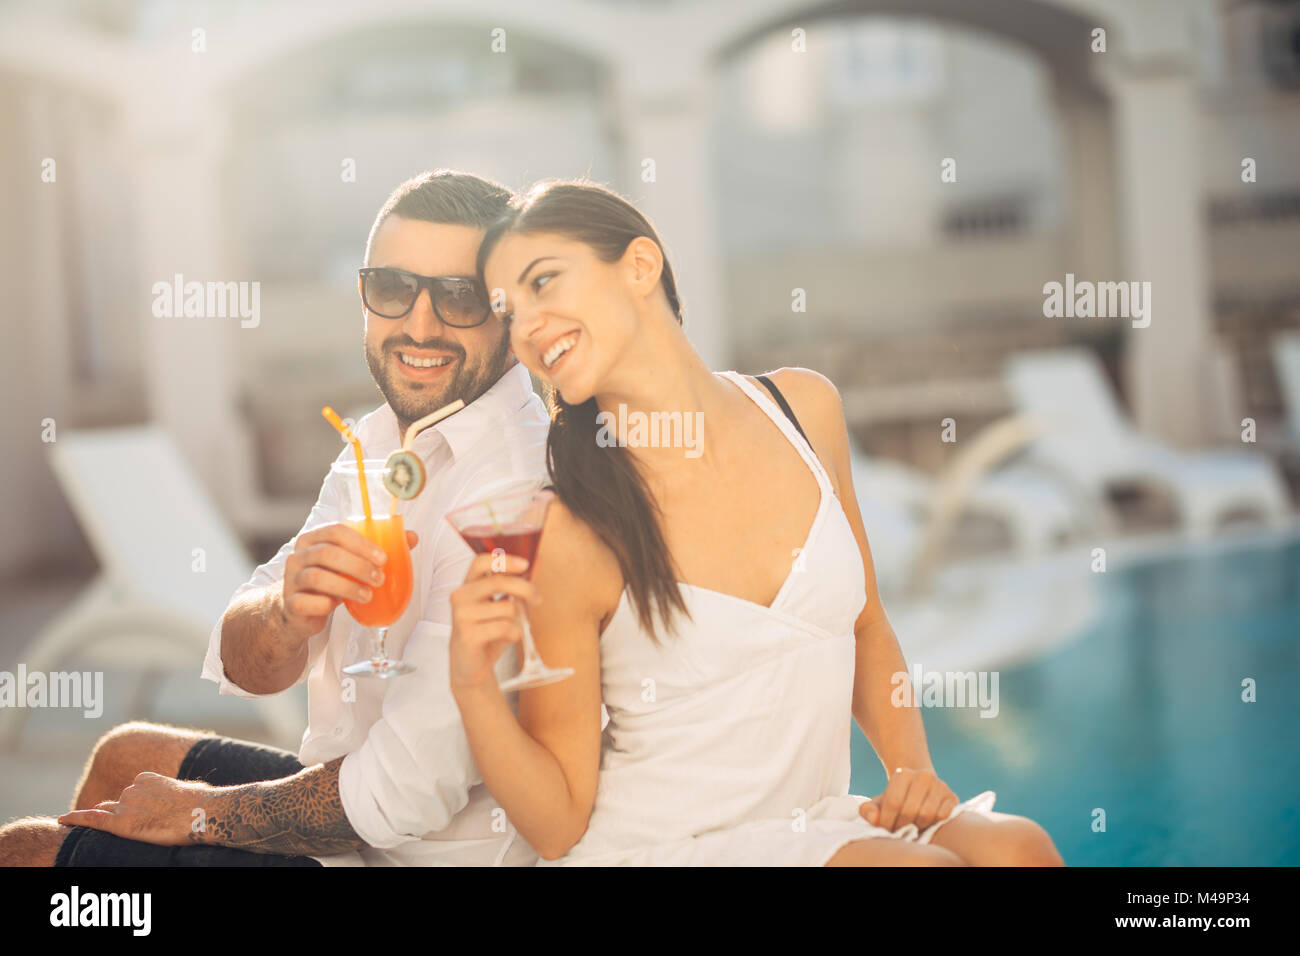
(785, 406)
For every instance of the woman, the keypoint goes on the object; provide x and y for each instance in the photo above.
(719, 599)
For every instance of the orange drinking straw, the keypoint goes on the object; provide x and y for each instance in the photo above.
(332, 417)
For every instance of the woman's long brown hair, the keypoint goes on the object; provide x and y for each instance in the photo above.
(601, 484)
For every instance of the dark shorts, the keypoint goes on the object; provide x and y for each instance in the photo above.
(219, 761)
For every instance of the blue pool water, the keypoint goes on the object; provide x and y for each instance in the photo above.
(1143, 717)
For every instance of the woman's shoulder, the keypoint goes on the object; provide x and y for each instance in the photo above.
(577, 535)
(569, 544)
(816, 403)
(812, 395)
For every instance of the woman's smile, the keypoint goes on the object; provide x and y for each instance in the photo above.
(555, 354)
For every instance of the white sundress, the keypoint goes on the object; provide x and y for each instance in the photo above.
(728, 743)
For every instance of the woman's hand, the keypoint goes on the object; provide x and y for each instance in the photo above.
(910, 796)
(482, 628)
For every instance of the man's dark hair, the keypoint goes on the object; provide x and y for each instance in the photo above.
(444, 195)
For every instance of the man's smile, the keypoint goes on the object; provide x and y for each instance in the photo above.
(424, 365)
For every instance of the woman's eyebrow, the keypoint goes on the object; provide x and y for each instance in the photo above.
(523, 275)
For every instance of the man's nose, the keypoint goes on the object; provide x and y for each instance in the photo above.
(422, 322)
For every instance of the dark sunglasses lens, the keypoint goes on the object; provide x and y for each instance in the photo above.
(389, 293)
(461, 303)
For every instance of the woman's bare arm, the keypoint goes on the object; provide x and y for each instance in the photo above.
(896, 733)
(542, 767)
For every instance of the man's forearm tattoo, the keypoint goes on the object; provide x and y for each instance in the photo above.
(300, 815)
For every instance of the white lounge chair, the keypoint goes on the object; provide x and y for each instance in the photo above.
(1286, 362)
(1092, 444)
(169, 564)
(1036, 510)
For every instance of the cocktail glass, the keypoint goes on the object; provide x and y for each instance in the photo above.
(512, 524)
(386, 529)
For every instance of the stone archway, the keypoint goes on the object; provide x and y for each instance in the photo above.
(1130, 112)
(662, 60)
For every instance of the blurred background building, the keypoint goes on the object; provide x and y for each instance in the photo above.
(877, 189)
(221, 155)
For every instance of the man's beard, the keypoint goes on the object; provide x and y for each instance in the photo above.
(411, 401)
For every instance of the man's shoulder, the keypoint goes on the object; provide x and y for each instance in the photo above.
(515, 444)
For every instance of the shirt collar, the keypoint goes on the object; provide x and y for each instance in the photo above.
(510, 393)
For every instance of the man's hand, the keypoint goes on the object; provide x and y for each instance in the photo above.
(910, 796)
(299, 815)
(264, 633)
(328, 565)
(154, 809)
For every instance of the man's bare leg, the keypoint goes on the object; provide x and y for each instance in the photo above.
(128, 750)
(117, 758)
(33, 841)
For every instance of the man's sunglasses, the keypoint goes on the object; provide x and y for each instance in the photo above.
(458, 301)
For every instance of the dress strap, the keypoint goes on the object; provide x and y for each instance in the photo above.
(770, 408)
(785, 406)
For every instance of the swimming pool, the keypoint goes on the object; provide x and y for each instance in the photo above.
(1142, 716)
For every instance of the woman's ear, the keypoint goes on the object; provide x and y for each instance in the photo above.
(645, 264)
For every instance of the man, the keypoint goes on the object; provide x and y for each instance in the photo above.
(384, 773)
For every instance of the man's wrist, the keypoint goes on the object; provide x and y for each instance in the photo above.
(290, 642)
(214, 804)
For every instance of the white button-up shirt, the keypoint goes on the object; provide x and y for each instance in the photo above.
(408, 783)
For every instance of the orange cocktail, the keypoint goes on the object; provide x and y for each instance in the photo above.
(388, 600)
(384, 527)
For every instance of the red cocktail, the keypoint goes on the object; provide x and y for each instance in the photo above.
(522, 541)
(512, 524)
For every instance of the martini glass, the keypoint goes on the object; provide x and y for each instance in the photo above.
(512, 524)
(388, 601)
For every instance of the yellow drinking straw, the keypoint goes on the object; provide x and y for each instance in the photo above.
(332, 417)
(411, 459)
(430, 419)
